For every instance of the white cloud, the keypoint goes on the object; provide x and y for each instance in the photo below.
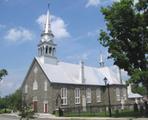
(135, 1)
(92, 3)
(18, 34)
(12, 81)
(97, 2)
(78, 57)
(58, 26)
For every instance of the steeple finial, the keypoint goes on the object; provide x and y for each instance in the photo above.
(101, 62)
(47, 25)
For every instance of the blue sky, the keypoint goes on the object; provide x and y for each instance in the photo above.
(75, 23)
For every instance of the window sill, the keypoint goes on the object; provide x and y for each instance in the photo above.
(77, 103)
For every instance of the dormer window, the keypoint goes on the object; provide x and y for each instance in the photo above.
(35, 85)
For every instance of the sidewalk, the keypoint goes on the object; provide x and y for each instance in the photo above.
(42, 116)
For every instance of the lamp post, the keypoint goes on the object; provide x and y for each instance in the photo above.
(109, 103)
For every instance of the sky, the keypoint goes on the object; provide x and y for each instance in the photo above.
(75, 24)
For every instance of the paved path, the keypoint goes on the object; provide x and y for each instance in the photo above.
(14, 117)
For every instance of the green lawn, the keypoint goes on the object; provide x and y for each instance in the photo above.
(125, 113)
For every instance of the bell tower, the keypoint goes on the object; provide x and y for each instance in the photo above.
(46, 46)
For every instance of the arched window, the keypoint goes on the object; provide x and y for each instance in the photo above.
(41, 50)
(35, 85)
(53, 51)
(98, 95)
(88, 95)
(50, 49)
(45, 86)
(46, 51)
(77, 95)
(118, 94)
(64, 96)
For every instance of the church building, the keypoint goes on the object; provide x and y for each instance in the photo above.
(51, 83)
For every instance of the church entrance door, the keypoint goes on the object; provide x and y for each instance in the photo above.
(45, 107)
(35, 106)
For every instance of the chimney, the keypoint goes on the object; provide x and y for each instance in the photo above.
(81, 75)
(119, 75)
(129, 89)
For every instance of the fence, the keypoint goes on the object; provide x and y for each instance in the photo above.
(102, 110)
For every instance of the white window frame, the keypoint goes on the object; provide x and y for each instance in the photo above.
(88, 95)
(77, 95)
(26, 88)
(45, 86)
(64, 96)
(118, 97)
(98, 95)
(35, 85)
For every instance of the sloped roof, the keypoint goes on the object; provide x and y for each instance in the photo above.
(134, 95)
(68, 73)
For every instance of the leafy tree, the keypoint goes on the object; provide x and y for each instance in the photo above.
(127, 37)
(13, 101)
(3, 73)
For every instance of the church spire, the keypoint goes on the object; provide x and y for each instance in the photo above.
(47, 34)
(46, 46)
(47, 24)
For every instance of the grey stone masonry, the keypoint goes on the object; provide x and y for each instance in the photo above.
(53, 93)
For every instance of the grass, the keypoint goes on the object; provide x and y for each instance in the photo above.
(125, 113)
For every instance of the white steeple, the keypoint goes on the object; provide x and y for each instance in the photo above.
(46, 46)
(47, 25)
(47, 34)
(101, 62)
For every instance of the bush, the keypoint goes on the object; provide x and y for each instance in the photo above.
(5, 110)
(27, 112)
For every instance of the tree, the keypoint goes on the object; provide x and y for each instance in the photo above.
(127, 37)
(12, 101)
(15, 100)
(3, 73)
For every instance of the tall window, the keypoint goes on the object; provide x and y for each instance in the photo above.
(88, 95)
(26, 88)
(98, 95)
(124, 93)
(118, 94)
(64, 96)
(45, 86)
(35, 85)
(77, 95)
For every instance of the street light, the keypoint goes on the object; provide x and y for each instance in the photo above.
(109, 103)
